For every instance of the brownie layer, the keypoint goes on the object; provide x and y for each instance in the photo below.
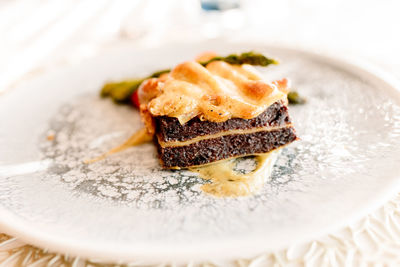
(169, 129)
(210, 150)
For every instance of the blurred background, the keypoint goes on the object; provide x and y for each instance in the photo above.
(36, 34)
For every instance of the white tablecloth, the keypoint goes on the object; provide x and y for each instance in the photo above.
(37, 35)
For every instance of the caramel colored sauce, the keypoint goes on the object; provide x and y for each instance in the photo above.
(138, 138)
(226, 182)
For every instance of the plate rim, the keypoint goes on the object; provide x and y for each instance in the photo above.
(12, 225)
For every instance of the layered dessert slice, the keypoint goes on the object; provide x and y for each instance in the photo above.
(201, 142)
(200, 114)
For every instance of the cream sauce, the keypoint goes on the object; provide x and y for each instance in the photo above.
(226, 182)
(138, 138)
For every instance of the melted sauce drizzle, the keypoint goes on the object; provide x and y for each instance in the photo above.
(138, 138)
(226, 182)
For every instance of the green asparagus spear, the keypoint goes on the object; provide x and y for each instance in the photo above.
(251, 58)
(121, 92)
(295, 98)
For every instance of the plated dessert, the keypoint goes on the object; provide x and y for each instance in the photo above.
(204, 113)
(151, 212)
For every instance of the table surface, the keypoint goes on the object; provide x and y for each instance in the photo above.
(40, 34)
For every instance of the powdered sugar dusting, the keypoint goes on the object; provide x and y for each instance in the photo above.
(332, 131)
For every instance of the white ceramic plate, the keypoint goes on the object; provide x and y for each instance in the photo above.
(126, 208)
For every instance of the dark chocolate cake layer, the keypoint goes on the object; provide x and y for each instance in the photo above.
(169, 129)
(210, 150)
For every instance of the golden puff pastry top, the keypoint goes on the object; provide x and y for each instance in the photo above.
(217, 92)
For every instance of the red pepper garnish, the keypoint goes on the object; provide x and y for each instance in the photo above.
(135, 99)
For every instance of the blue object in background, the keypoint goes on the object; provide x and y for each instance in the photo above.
(219, 5)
